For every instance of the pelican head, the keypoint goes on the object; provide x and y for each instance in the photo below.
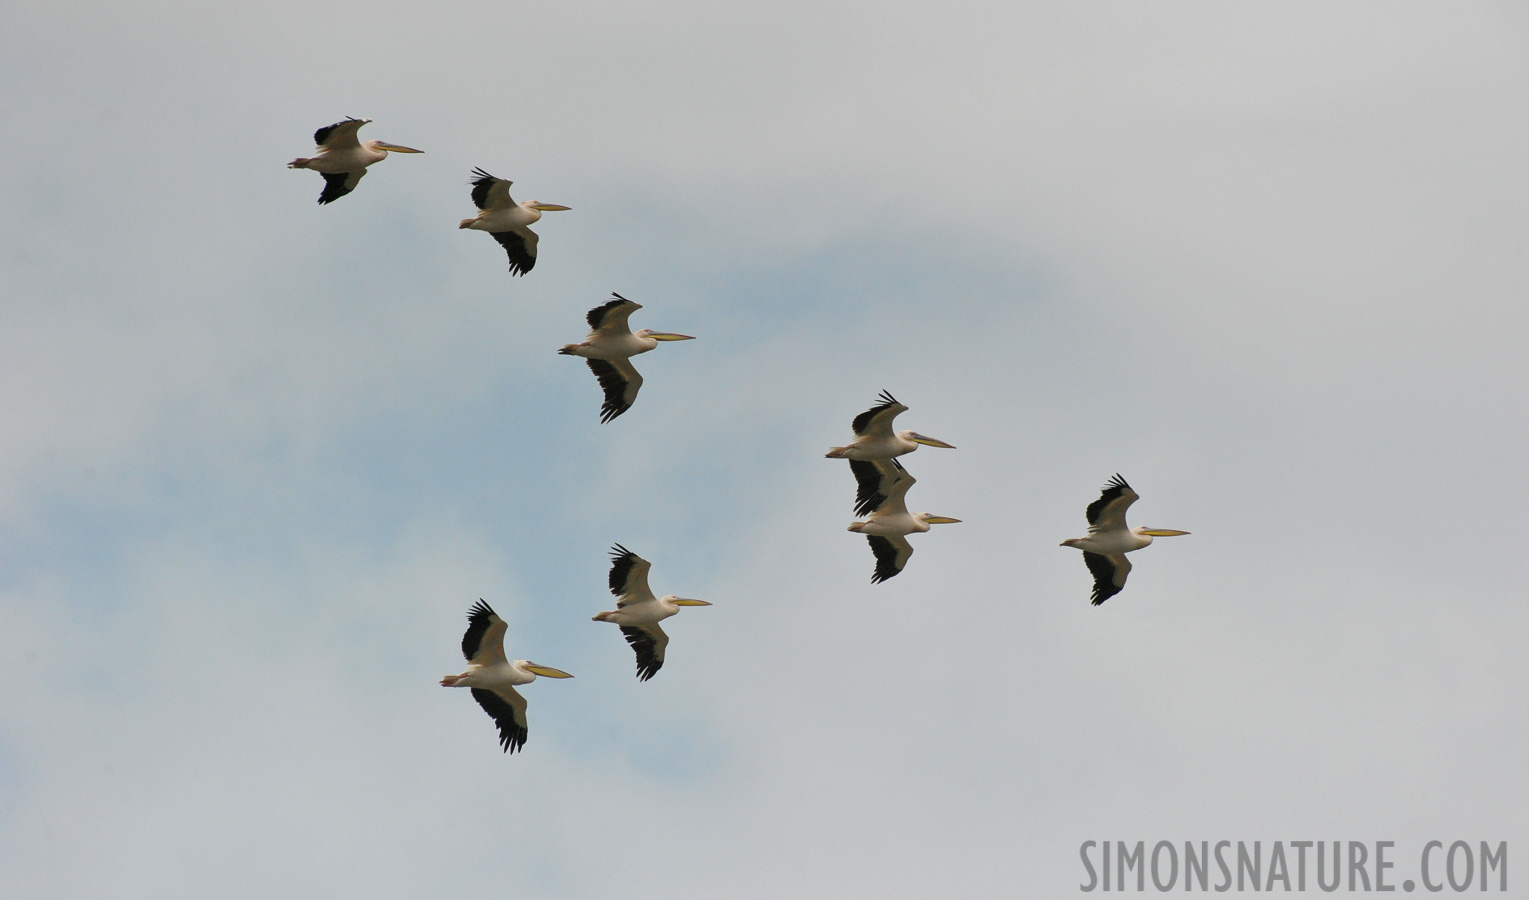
(681, 601)
(544, 671)
(931, 519)
(385, 147)
(662, 335)
(543, 207)
(924, 439)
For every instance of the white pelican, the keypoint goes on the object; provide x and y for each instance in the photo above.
(342, 158)
(608, 351)
(887, 528)
(638, 612)
(493, 678)
(1108, 541)
(875, 438)
(506, 220)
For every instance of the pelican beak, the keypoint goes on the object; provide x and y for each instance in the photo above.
(395, 148)
(549, 207)
(546, 671)
(928, 441)
(941, 520)
(1163, 532)
(665, 336)
(680, 601)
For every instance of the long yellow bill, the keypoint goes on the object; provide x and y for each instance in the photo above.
(546, 671)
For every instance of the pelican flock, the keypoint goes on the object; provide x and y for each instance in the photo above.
(609, 349)
(1109, 540)
(507, 221)
(342, 158)
(493, 678)
(638, 612)
(874, 457)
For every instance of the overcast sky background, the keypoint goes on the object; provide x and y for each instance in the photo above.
(1267, 261)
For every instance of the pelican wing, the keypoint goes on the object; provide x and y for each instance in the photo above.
(629, 577)
(338, 184)
(519, 244)
(619, 381)
(891, 555)
(610, 317)
(877, 421)
(483, 642)
(896, 502)
(340, 135)
(508, 710)
(490, 192)
(875, 480)
(1108, 513)
(1109, 574)
(648, 642)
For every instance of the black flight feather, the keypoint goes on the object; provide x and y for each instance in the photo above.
(322, 135)
(648, 662)
(598, 313)
(864, 419)
(886, 558)
(622, 563)
(478, 625)
(1111, 492)
(1104, 576)
(614, 385)
(512, 734)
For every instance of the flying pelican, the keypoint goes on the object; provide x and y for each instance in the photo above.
(493, 678)
(887, 528)
(342, 158)
(1108, 541)
(506, 220)
(638, 612)
(608, 351)
(875, 438)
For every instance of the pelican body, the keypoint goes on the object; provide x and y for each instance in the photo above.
(638, 611)
(493, 678)
(342, 157)
(875, 438)
(506, 220)
(889, 525)
(609, 348)
(1109, 540)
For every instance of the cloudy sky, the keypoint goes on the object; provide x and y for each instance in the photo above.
(1267, 261)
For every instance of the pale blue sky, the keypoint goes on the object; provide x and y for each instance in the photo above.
(1267, 262)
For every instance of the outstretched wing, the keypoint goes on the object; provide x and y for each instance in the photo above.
(340, 135)
(648, 641)
(1109, 574)
(490, 192)
(338, 184)
(610, 317)
(483, 642)
(877, 420)
(875, 480)
(1108, 513)
(508, 710)
(891, 555)
(629, 576)
(520, 245)
(620, 382)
